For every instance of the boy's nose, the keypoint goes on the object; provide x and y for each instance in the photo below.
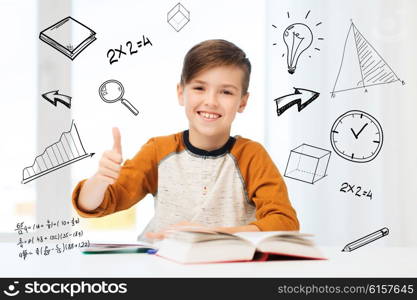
(210, 99)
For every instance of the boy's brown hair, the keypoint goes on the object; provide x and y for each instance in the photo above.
(213, 53)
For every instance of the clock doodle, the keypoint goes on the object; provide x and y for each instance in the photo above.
(356, 136)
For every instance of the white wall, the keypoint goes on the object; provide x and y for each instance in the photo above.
(18, 81)
(336, 217)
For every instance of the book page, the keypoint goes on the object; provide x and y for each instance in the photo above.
(256, 237)
(199, 235)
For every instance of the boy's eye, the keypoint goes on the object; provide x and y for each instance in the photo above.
(198, 88)
(227, 92)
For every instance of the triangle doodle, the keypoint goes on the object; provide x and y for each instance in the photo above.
(361, 65)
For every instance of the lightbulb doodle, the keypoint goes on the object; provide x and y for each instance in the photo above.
(361, 65)
(297, 37)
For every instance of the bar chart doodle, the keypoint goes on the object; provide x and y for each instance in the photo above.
(361, 65)
(67, 150)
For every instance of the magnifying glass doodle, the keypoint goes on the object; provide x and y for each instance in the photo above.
(112, 91)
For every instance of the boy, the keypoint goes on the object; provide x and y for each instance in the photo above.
(202, 175)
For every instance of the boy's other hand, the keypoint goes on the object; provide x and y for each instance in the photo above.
(111, 160)
(182, 225)
(194, 226)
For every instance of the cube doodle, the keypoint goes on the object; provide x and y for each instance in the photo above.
(178, 17)
(307, 163)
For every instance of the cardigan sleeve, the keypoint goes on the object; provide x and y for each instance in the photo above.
(267, 190)
(138, 177)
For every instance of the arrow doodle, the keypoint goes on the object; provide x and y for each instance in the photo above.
(301, 97)
(54, 97)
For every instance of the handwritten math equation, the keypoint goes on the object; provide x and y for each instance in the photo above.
(34, 239)
(52, 237)
(21, 227)
(355, 190)
(114, 55)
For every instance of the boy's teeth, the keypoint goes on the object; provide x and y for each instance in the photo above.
(209, 116)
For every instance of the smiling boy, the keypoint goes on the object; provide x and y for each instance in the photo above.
(201, 175)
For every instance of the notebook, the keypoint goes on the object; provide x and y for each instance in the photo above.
(68, 36)
(108, 248)
(207, 246)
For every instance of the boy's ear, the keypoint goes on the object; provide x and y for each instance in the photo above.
(243, 102)
(180, 94)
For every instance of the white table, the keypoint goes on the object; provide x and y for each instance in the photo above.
(368, 261)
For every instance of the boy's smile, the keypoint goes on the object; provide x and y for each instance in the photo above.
(211, 100)
(209, 116)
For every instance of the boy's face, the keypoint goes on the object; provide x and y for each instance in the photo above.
(211, 100)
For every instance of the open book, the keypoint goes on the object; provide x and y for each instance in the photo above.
(206, 246)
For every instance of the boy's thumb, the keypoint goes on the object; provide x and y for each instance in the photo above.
(117, 140)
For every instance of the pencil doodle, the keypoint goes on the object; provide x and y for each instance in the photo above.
(54, 97)
(178, 17)
(361, 65)
(366, 240)
(356, 136)
(298, 37)
(307, 163)
(301, 97)
(68, 36)
(69, 149)
(112, 91)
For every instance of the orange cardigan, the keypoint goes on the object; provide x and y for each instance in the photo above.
(235, 185)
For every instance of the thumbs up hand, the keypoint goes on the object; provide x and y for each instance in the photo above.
(117, 141)
(111, 160)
